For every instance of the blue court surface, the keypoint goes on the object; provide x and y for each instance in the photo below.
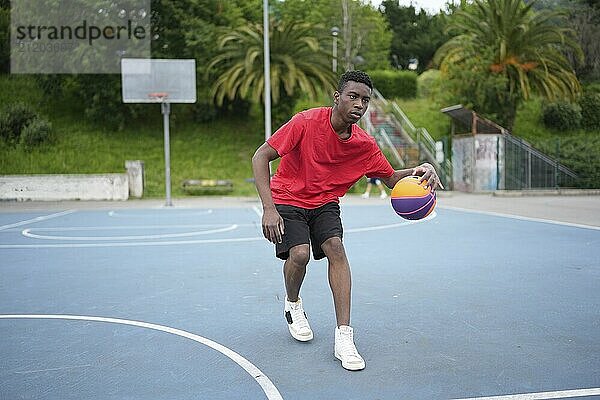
(180, 303)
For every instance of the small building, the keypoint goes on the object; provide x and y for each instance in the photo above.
(486, 157)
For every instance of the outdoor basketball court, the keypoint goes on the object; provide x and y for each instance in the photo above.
(187, 303)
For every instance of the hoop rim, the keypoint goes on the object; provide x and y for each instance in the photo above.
(158, 96)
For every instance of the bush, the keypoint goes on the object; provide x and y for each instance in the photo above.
(393, 84)
(561, 116)
(37, 132)
(590, 111)
(13, 118)
(428, 84)
(592, 88)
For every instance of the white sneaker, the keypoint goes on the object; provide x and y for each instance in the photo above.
(345, 350)
(365, 195)
(297, 322)
(383, 195)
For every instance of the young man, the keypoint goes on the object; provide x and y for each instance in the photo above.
(323, 153)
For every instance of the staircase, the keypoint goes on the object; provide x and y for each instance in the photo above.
(395, 134)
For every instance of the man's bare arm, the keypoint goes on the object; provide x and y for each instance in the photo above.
(272, 223)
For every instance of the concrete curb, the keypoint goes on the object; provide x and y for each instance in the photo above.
(546, 192)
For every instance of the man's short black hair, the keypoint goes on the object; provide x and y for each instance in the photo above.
(355, 76)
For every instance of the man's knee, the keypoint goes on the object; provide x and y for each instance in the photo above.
(300, 255)
(334, 248)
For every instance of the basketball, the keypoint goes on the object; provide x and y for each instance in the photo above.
(411, 200)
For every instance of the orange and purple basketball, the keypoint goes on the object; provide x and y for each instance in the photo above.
(411, 200)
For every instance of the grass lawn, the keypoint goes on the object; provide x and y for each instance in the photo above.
(221, 150)
(218, 150)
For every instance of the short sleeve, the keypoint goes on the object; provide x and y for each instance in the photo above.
(286, 138)
(377, 165)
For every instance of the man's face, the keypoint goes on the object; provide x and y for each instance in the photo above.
(352, 103)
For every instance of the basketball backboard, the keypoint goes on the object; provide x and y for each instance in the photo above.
(143, 78)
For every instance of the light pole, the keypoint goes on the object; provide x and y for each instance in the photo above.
(267, 69)
(334, 32)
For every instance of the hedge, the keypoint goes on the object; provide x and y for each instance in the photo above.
(393, 84)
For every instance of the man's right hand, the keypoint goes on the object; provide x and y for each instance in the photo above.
(272, 225)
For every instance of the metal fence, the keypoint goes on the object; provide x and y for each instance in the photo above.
(519, 165)
(527, 168)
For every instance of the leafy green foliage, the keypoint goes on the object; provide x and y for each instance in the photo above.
(415, 34)
(298, 66)
(4, 38)
(590, 110)
(515, 47)
(36, 133)
(369, 35)
(19, 123)
(392, 83)
(13, 118)
(561, 115)
(429, 84)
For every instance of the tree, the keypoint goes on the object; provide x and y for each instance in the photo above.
(4, 36)
(519, 50)
(366, 40)
(298, 66)
(584, 17)
(181, 29)
(415, 35)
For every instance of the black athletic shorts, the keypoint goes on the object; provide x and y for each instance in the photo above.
(308, 226)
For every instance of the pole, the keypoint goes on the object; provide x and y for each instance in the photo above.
(166, 110)
(334, 32)
(556, 174)
(267, 71)
(334, 54)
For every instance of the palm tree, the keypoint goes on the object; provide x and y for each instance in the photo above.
(514, 45)
(299, 65)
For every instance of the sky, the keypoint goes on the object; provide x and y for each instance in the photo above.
(431, 6)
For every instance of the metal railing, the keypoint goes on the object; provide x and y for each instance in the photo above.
(417, 138)
(521, 166)
(528, 168)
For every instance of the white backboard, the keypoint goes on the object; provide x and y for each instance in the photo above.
(141, 78)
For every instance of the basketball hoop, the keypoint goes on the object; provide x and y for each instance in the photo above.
(158, 97)
(159, 81)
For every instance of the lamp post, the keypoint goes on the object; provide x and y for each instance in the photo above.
(267, 69)
(334, 32)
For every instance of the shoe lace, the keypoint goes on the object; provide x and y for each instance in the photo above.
(346, 344)
(298, 316)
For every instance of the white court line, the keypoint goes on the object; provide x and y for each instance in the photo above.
(199, 241)
(129, 244)
(36, 219)
(519, 217)
(27, 233)
(130, 227)
(168, 213)
(561, 394)
(265, 383)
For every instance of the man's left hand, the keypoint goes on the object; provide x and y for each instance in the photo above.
(427, 173)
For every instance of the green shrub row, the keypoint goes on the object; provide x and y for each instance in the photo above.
(19, 123)
(391, 84)
(562, 115)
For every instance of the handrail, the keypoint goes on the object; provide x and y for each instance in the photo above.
(416, 137)
(387, 140)
(539, 154)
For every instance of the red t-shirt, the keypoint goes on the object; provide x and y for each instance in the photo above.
(317, 167)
